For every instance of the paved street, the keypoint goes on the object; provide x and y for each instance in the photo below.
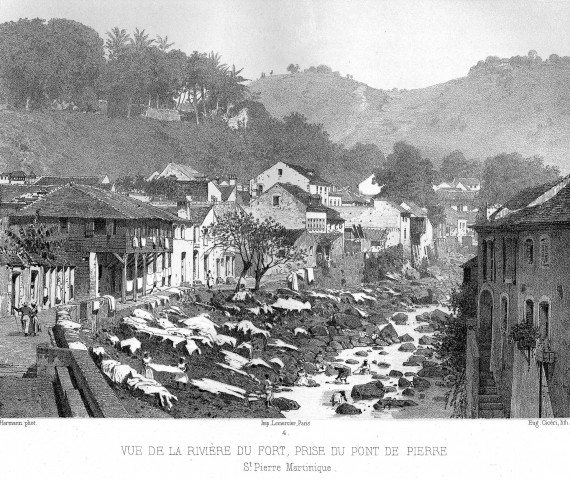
(17, 352)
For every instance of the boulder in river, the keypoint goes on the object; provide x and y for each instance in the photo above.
(395, 373)
(406, 338)
(410, 364)
(352, 361)
(368, 390)
(393, 403)
(432, 372)
(285, 404)
(347, 409)
(389, 334)
(336, 346)
(377, 319)
(407, 347)
(403, 382)
(390, 389)
(379, 376)
(346, 321)
(400, 318)
(361, 353)
(383, 365)
(416, 358)
(425, 329)
(438, 316)
(408, 392)
(380, 342)
(420, 383)
(425, 340)
(319, 330)
(426, 352)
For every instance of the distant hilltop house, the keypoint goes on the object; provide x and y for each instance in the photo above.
(368, 187)
(93, 180)
(461, 184)
(179, 171)
(239, 121)
(306, 179)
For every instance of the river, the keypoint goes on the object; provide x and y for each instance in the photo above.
(315, 401)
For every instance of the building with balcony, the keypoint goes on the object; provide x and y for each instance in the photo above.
(119, 246)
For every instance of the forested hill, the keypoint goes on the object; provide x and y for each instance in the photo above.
(75, 143)
(503, 105)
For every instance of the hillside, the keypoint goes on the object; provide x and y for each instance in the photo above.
(69, 143)
(524, 109)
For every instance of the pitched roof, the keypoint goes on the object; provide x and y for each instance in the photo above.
(83, 201)
(326, 239)
(456, 194)
(348, 196)
(554, 211)
(528, 195)
(85, 180)
(185, 170)
(308, 199)
(372, 234)
(310, 174)
(473, 262)
(197, 212)
(292, 235)
(226, 191)
(467, 181)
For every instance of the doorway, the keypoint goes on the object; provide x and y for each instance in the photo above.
(485, 333)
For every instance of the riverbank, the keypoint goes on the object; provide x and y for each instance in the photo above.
(233, 343)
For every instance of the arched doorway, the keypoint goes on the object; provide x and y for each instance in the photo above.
(485, 332)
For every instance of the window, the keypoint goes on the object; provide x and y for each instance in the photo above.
(529, 251)
(491, 271)
(485, 260)
(545, 251)
(276, 200)
(505, 314)
(99, 226)
(259, 189)
(543, 318)
(89, 227)
(111, 227)
(529, 312)
(279, 171)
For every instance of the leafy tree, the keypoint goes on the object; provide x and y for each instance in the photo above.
(42, 62)
(455, 165)
(261, 245)
(163, 186)
(506, 174)
(406, 175)
(140, 40)
(324, 69)
(292, 68)
(31, 239)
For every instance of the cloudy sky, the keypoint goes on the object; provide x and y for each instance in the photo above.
(385, 43)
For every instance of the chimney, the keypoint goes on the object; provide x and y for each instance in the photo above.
(233, 180)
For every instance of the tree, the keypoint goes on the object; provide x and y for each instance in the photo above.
(118, 40)
(406, 175)
(324, 69)
(140, 40)
(455, 165)
(162, 43)
(42, 62)
(261, 245)
(31, 239)
(292, 68)
(506, 174)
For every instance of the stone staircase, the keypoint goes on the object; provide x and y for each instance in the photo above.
(490, 403)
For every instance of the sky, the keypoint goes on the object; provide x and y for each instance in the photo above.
(384, 43)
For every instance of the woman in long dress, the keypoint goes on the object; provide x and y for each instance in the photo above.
(33, 324)
(181, 379)
(146, 370)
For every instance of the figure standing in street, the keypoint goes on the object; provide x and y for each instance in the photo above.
(268, 387)
(209, 280)
(33, 326)
(25, 313)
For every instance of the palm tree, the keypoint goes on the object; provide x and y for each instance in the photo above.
(140, 40)
(163, 44)
(117, 42)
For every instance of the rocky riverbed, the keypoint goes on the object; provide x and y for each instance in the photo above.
(280, 334)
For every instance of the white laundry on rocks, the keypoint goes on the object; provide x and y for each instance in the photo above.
(291, 304)
(132, 343)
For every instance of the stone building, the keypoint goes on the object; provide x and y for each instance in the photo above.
(287, 173)
(523, 264)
